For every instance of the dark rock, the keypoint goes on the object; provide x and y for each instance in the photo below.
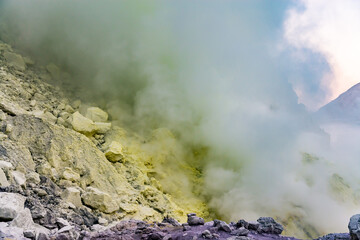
(240, 232)
(141, 225)
(269, 225)
(77, 219)
(29, 234)
(167, 237)
(253, 226)
(67, 233)
(3, 151)
(354, 227)
(89, 218)
(49, 221)
(62, 237)
(42, 236)
(172, 221)
(207, 234)
(186, 227)
(156, 236)
(238, 238)
(335, 236)
(242, 223)
(37, 212)
(216, 236)
(221, 225)
(193, 220)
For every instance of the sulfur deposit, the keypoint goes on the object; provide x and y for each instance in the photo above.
(71, 162)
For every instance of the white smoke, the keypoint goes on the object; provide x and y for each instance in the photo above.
(212, 72)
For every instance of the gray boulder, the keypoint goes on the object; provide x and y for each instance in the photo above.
(269, 225)
(243, 223)
(240, 232)
(10, 205)
(354, 227)
(223, 226)
(23, 219)
(193, 220)
(207, 234)
(253, 226)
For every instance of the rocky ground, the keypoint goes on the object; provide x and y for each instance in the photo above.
(67, 172)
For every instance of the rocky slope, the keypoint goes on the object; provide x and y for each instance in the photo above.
(69, 161)
(345, 108)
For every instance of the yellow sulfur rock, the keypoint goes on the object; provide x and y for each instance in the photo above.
(96, 114)
(82, 124)
(70, 175)
(72, 195)
(97, 199)
(114, 153)
(102, 127)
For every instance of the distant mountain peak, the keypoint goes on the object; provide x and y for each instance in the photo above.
(345, 108)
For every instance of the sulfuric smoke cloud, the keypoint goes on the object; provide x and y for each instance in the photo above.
(217, 74)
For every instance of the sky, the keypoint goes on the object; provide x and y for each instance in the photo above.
(327, 29)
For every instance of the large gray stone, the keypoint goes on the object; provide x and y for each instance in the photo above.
(240, 232)
(221, 225)
(354, 227)
(23, 219)
(193, 220)
(10, 205)
(269, 225)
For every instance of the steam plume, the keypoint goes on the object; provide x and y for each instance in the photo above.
(213, 74)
